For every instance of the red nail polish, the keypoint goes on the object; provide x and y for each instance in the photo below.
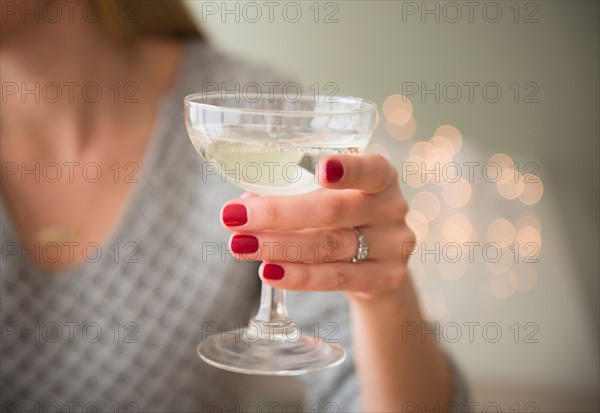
(273, 272)
(244, 244)
(234, 215)
(334, 170)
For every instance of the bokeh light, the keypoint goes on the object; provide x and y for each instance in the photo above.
(397, 109)
(502, 160)
(402, 132)
(436, 161)
(498, 260)
(528, 219)
(378, 149)
(529, 242)
(502, 232)
(426, 203)
(511, 184)
(533, 189)
(457, 194)
(412, 171)
(427, 158)
(421, 149)
(524, 276)
(452, 134)
(453, 271)
(443, 144)
(457, 228)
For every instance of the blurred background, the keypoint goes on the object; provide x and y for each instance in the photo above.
(502, 98)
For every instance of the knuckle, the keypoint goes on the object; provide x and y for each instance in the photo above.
(270, 212)
(379, 160)
(397, 241)
(403, 237)
(410, 237)
(407, 247)
(290, 251)
(381, 181)
(302, 278)
(335, 242)
(403, 205)
(339, 279)
(385, 173)
(400, 210)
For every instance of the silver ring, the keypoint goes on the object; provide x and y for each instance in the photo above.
(363, 248)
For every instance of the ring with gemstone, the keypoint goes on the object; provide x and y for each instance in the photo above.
(363, 248)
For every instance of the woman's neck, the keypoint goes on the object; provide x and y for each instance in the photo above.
(112, 134)
(102, 86)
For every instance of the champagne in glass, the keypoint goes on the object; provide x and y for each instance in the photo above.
(271, 147)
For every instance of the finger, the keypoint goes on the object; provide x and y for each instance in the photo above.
(369, 172)
(320, 245)
(319, 209)
(248, 195)
(366, 277)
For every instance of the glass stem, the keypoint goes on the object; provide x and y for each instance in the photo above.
(272, 306)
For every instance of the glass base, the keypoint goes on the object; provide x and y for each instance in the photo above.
(245, 351)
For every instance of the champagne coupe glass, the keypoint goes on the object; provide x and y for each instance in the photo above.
(270, 146)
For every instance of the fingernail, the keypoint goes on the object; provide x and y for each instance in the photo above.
(244, 244)
(234, 215)
(334, 170)
(273, 272)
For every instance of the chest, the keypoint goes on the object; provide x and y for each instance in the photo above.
(68, 199)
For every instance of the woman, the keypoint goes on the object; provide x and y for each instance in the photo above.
(109, 276)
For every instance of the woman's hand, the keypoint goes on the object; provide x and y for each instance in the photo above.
(307, 241)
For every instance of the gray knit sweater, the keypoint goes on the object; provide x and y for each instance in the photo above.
(119, 332)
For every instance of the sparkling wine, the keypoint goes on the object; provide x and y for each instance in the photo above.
(281, 167)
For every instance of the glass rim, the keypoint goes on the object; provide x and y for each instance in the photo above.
(191, 100)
